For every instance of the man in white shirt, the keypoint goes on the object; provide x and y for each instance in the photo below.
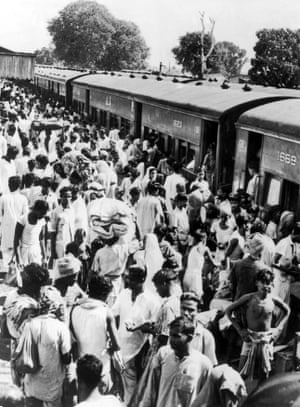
(149, 210)
(53, 341)
(287, 250)
(171, 183)
(21, 162)
(13, 205)
(62, 224)
(133, 307)
(180, 221)
(7, 168)
(113, 134)
(178, 372)
(3, 143)
(253, 183)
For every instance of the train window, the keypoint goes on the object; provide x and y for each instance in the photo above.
(273, 192)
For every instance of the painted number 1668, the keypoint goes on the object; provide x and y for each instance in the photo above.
(286, 158)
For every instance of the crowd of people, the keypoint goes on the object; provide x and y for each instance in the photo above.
(133, 284)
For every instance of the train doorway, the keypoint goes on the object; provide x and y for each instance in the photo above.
(254, 149)
(103, 118)
(125, 126)
(253, 160)
(289, 195)
(210, 134)
(113, 121)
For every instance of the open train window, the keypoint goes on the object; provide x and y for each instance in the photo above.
(273, 187)
(281, 192)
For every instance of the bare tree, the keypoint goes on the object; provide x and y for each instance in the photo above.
(204, 56)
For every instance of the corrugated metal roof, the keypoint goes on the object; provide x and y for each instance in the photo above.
(210, 100)
(282, 117)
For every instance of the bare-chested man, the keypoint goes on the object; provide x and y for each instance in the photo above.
(258, 335)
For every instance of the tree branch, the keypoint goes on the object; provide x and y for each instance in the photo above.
(213, 41)
(202, 22)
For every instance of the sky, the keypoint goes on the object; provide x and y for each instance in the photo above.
(24, 22)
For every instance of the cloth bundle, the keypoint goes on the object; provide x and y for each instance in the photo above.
(109, 218)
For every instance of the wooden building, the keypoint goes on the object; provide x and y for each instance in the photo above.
(16, 65)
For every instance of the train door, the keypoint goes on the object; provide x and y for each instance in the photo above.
(103, 118)
(253, 153)
(113, 121)
(254, 148)
(94, 114)
(182, 152)
(210, 134)
(170, 149)
(289, 195)
(138, 120)
(125, 125)
(208, 150)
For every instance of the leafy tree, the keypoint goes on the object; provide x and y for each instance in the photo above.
(85, 33)
(127, 48)
(277, 58)
(227, 58)
(45, 56)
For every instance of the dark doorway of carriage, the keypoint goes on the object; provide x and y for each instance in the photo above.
(254, 155)
(289, 195)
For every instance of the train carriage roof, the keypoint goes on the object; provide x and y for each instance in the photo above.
(280, 117)
(210, 100)
(57, 74)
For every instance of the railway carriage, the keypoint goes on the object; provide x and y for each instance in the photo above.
(185, 118)
(270, 135)
(56, 82)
